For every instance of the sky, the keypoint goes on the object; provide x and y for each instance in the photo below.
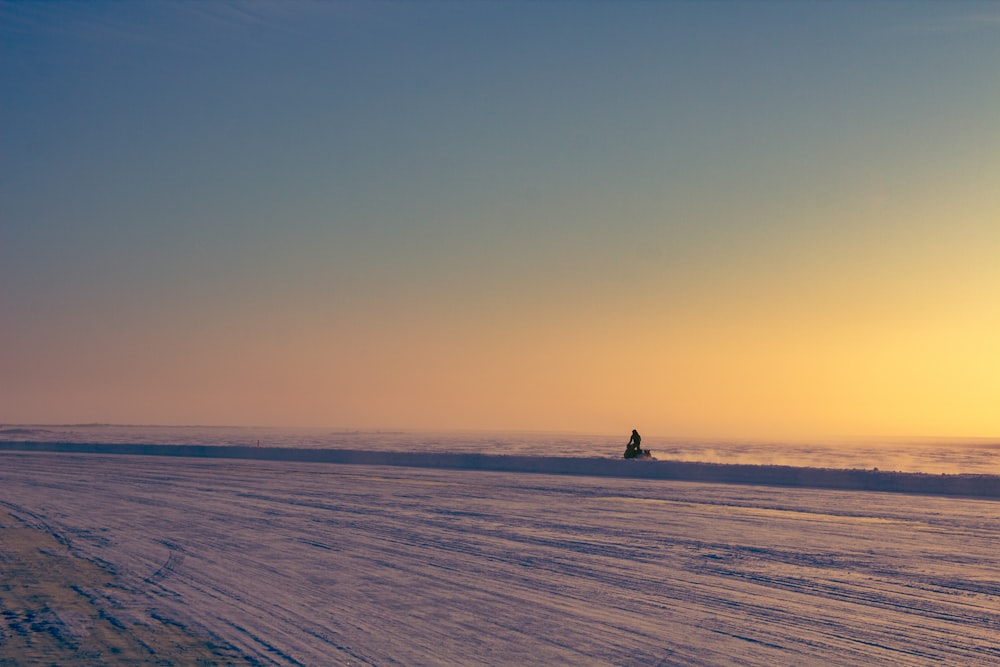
(704, 219)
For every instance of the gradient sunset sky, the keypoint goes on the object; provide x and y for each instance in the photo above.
(718, 219)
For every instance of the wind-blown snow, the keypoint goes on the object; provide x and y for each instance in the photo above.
(296, 562)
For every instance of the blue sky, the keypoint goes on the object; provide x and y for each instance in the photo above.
(502, 215)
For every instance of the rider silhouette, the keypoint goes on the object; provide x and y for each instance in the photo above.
(632, 449)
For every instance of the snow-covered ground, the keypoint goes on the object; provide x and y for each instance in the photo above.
(927, 455)
(317, 563)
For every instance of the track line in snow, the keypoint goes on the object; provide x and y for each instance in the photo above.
(295, 562)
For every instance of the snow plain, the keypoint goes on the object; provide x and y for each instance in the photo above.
(329, 564)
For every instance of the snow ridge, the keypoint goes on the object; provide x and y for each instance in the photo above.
(980, 486)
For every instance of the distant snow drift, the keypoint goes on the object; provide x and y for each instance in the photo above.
(981, 486)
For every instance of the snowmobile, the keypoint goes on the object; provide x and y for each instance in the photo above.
(632, 451)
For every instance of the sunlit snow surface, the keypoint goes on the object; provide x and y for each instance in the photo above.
(927, 455)
(318, 563)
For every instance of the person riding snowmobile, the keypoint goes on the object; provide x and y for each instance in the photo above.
(632, 449)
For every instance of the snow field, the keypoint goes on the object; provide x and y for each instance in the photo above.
(316, 563)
